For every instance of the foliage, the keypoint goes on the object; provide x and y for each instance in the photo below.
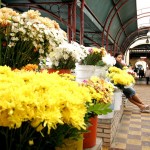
(20, 138)
(62, 132)
(100, 63)
(95, 55)
(97, 109)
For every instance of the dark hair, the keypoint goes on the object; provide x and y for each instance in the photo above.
(117, 54)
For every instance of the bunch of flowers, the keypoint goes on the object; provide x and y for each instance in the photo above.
(108, 60)
(94, 56)
(27, 37)
(66, 55)
(30, 67)
(120, 78)
(101, 93)
(34, 104)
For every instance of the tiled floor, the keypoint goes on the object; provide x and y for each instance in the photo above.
(134, 130)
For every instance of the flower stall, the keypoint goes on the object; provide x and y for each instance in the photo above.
(38, 109)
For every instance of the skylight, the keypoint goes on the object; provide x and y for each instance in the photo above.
(143, 7)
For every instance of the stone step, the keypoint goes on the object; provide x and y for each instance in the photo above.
(98, 145)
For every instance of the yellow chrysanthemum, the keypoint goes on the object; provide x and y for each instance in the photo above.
(48, 98)
(99, 89)
(121, 77)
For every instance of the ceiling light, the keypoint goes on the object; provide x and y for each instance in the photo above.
(148, 34)
(147, 40)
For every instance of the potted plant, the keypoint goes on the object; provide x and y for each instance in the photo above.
(40, 110)
(66, 55)
(86, 67)
(26, 38)
(94, 56)
(101, 93)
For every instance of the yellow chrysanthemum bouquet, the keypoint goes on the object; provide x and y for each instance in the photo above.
(101, 95)
(120, 78)
(40, 108)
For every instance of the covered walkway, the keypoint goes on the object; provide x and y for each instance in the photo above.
(134, 130)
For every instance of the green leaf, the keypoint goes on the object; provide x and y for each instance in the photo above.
(99, 109)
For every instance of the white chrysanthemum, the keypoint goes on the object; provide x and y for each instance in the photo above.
(109, 60)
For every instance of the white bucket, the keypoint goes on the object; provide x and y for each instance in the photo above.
(100, 71)
(84, 72)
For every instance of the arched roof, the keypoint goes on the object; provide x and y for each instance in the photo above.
(109, 23)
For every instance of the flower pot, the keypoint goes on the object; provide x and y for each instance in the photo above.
(84, 72)
(90, 137)
(60, 71)
(71, 145)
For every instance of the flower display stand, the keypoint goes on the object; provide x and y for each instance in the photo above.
(108, 124)
(117, 100)
(98, 145)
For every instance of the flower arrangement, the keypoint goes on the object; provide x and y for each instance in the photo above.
(28, 38)
(94, 56)
(120, 78)
(38, 107)
(101, 95)
(25, 38)
(66, 55)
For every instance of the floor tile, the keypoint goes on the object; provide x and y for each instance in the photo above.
(134, 130)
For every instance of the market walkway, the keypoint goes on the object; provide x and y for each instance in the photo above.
(134, 130)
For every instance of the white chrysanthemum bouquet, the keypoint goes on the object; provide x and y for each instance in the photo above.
(66, 55)
(27, 37)
(108, 60)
